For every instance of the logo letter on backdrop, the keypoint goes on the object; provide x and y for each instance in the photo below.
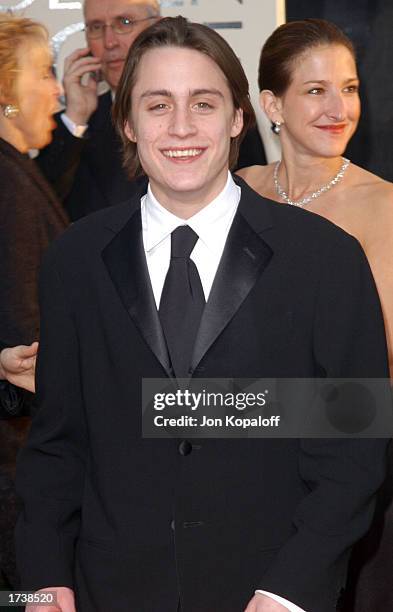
(18, 7)
(64, 4)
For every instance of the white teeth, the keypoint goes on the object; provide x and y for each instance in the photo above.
(182, 153)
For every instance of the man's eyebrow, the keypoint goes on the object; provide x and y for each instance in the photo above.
(156, 92)
(126, 13)
(204, 92)
(194, 92)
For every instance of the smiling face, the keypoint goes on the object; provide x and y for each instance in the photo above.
(320, 109)
(112, 48)
(182, 121)
(36, 95)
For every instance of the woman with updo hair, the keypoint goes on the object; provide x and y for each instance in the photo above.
(309, 89)
(30, 218)
(310, 92)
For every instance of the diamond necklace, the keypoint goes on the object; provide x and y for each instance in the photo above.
(280, 191)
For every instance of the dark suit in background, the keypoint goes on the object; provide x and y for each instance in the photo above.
(131, 523)
(87, 172)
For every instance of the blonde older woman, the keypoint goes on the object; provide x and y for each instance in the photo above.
(30, 218)
(30, 215)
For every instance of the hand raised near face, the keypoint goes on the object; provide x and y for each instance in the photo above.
(81, 98)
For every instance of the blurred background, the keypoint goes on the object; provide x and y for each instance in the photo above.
(246, 24)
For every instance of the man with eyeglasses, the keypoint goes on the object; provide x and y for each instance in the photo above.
(83, 162)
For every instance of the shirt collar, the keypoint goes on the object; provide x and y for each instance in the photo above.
(213, 220)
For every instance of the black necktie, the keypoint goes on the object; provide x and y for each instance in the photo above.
(182, 301)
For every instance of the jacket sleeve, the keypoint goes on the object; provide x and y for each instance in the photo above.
(341, 475)
(59, 161)
(50, 470)
(12, 400)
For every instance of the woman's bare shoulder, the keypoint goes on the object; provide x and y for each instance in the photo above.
(369, 215)
(372, 184)
(372, 195)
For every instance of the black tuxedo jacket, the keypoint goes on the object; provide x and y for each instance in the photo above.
(87, 173)
(133, 523)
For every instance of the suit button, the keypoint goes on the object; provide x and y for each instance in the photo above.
(185, 448)
(173, 524)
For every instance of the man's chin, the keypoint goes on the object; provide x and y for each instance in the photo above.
(112, 74)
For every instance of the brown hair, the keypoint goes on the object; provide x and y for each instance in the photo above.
(14, 33)
(287, 43)
(179, 32)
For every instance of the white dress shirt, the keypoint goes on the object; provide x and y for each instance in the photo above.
(212, 225)
(76, 130)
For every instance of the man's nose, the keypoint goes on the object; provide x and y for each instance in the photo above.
(182, 123)
(109, 37)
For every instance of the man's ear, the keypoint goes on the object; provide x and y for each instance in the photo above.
(129, 131)
(271, 105)
(237, 124)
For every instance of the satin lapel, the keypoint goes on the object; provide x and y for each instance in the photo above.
(125, 260)
(244, 258)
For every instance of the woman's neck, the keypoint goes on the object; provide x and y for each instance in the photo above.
(12, 135)
(301, 175)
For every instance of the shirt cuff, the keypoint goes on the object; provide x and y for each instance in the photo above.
(291, 607)
(76, 130)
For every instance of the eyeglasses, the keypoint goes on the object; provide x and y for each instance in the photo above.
(120, 25)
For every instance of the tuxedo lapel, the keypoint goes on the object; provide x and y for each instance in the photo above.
(244, 258)
(125, 260)
(246, 255)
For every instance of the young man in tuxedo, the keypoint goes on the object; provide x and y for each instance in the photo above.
(200, 277)
(83, 162)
